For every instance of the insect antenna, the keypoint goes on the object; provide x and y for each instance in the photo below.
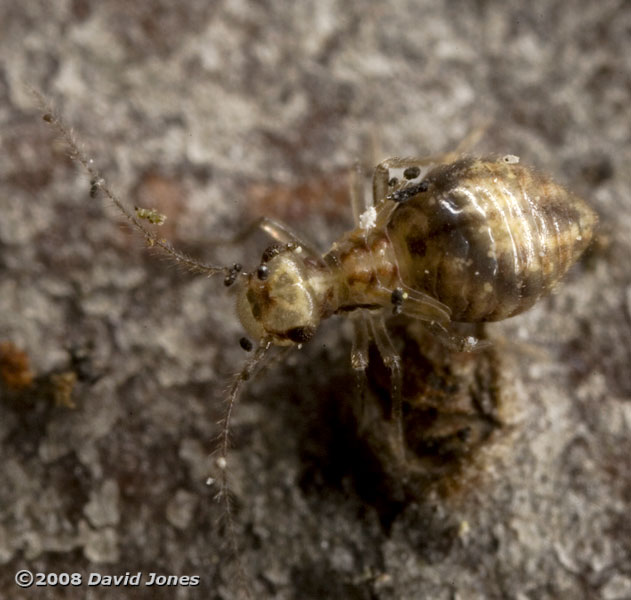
(98, 183)
(257, 360)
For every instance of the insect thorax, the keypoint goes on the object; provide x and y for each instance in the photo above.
(364, 270)
(291, 293)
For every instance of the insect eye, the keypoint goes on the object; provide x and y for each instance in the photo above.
(301, 335)
(262, 272)
(246, 344)
(411, 173)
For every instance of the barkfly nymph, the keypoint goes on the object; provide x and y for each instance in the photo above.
(445, 240)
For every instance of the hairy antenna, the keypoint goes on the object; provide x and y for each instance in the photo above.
(247, 371)
(98, 183)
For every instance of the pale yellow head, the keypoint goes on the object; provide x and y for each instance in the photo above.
(278, 302)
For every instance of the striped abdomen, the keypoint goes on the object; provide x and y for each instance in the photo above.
(488, 238)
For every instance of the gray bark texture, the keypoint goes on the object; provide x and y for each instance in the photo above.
(115, 363)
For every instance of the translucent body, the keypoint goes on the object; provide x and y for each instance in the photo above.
(476, 240)
(488, 238)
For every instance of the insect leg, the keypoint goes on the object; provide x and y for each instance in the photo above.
(392, 360)
(418, 305)
(454, 341)
(361, 339)
(284, 234)
(358, 198)
(277, 230)
(359, 357)
(471, 139)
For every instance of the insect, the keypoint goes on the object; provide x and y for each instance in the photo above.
(470, 240)
(446, 239)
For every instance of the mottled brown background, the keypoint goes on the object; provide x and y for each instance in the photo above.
(215, 112)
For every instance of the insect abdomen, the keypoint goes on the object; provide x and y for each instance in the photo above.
(488, 238)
